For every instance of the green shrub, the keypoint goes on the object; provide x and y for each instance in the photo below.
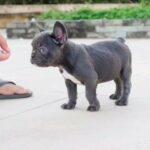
(87, 13)
(145, 3)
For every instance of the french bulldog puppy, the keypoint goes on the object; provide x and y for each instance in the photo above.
(88, 65)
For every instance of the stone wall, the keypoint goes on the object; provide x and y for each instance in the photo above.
(10, 13)
(86, 29)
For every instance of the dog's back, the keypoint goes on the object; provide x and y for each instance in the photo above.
(109, 58)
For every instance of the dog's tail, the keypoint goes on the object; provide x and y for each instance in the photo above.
(120, 39)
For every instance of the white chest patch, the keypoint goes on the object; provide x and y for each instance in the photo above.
(66, 75)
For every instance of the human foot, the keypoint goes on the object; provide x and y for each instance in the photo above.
(13, 91)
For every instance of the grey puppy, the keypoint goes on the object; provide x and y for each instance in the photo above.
(85, 64)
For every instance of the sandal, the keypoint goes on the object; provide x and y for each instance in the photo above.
(15, 95)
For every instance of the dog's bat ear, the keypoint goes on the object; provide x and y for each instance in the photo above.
(60, 32)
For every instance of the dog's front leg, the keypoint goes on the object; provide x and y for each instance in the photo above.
(91, 96)
(72, 94)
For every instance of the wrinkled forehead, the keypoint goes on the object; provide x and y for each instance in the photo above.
(40, 38)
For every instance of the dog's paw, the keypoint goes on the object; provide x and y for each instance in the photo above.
(121, 103)
(93, 108)
(114, 96)
(68, 106)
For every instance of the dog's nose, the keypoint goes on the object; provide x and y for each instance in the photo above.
(33, 55)
(32, 60)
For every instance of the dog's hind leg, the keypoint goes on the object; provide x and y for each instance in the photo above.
(126, 80)
(119, 89)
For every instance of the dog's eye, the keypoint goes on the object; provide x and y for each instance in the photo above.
(43, 50)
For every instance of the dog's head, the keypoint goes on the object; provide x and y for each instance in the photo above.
(47, 47)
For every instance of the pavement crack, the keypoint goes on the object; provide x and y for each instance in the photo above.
(31, 109)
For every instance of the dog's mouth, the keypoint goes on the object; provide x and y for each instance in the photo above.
(39, 63)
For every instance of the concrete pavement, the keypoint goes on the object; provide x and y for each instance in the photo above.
(38, 123)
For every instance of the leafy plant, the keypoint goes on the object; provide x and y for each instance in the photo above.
(145, 3)
(87, 13)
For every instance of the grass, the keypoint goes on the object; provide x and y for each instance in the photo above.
(137, 12)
